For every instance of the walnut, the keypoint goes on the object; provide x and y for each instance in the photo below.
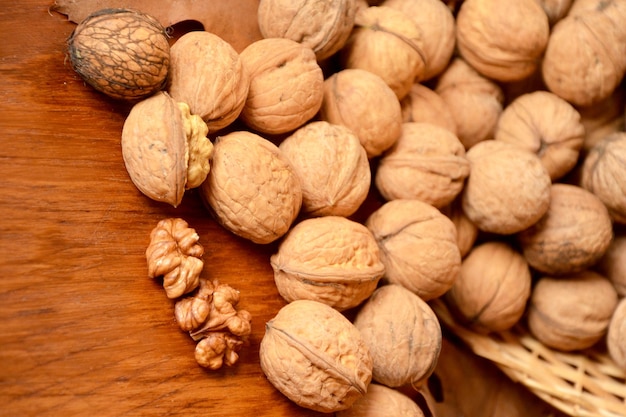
(349, 97)
(252, 190)
(436, 22)
(165, 148)
(503, 40)
(466, 231)
(417, 246)
(544, 123)
(208, 74)
(426, 163)
(330, 259)
(122, 53)
(423, 105)
(175, 254)
(381, 400)
(386, 42)
(508, 189)
(402, 334)
(322, 26)
(616, 335)
(613, 264)
(584, 60)
(217, 349)
(286, 85)
(332, 166)
(573, 234)
(604, 174)
(474, 100)
(571, 312)
(315, 356)
(491, 292)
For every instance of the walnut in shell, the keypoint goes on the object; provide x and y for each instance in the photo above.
(426, 163)
(122, 53)
(584, 60)
(364, 103)
(604, 174)
(323, 26)
(381, 400)
(252, 189)
(402, 334)
(544, 123)
(574, 233)
(571, 312)
(474, 100)
(436, 22)
(315, 356)
(332, 166)
(165, 148)
(613, 264)
(417, 245)
(208, 74)
(491, 292)
(330, 259)
(424, 105)
(616, 335)
(175, 255)
(286, 85)
(508, 189)
(386, 42)
(502, 39)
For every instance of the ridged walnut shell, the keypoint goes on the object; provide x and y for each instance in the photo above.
(252, 189)
(544, 123)
(426, 163)
(207, 73)
(574, 233)
(424, 105)
(323, 26)
(504, 40)
(381, 400)
(315, 356)
(491, 292)
(122, 53)
(403, 336)
(329, 259)
(286, 85)
(571, 312)
(418, 246)
(332, 166)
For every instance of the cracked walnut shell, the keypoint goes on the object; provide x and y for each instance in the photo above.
(175, 255)
(315, 356)
(252, 189)
(165, 148)
(329, 259)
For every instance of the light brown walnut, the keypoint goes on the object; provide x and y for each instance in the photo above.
(315, 356)
(207, 73)
(403, 336)
(417, 245)
(544, 123)
(381, 400)
(252, 189)
(574, 233)
(349, 97)
(604, 174)
(329, 259)
(218, 349)
(571, 312)
(332, 166)
(322, 26)
(388, 43)
(426, 163)
(491, 292)
(286, 85)
(508, 189)
(502, 39)
(423, 105)
(174, 255)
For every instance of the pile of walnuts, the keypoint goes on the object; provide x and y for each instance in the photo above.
(490, 132)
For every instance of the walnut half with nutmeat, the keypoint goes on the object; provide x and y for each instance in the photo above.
(165, 148)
